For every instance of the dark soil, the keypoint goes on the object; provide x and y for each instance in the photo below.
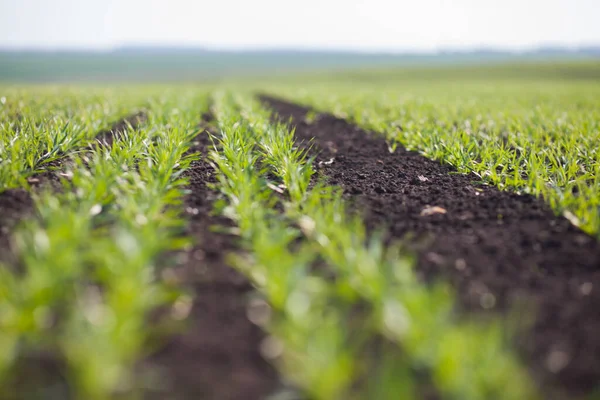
(217, 355)
(15, 204)
(498, 249)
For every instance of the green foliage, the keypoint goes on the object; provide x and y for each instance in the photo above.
(316, 308)
(350, 318)
(88, 278)
(535, 135)
(39, 126)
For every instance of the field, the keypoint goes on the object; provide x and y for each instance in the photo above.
(408, 233)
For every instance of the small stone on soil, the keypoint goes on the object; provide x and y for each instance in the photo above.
(586, 288)
(428, 210)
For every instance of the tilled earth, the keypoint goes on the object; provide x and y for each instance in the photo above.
(218, 354)
(15, 205)
(500, 250)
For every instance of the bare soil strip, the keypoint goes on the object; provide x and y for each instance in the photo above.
(498, 249)
(217, 356)
(17, 204)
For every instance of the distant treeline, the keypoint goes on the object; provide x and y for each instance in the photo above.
(191, 64)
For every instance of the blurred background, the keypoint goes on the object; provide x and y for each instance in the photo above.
(185, 40)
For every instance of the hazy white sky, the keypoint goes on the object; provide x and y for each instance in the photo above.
(347, 24)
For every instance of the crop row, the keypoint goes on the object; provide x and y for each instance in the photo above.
(86, 278)
(38, 127)
(537, 137)
(347, 315)
(337, 294)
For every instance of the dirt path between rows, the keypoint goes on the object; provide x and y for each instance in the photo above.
(496, 248)
(217, 356)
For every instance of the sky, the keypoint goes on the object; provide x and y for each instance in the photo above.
(363, 25)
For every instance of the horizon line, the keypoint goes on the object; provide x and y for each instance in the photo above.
(566, 48)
